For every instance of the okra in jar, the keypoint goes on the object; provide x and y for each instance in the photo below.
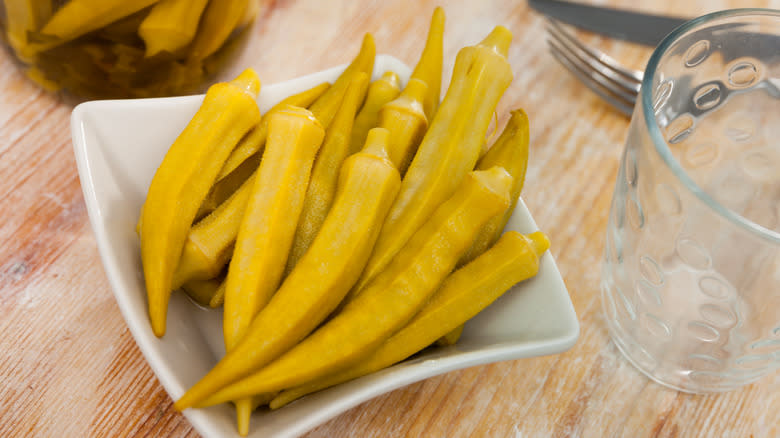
(125, 48)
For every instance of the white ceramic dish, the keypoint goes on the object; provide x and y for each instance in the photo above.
(118, 146)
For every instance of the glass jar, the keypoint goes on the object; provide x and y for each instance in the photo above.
(125, 48)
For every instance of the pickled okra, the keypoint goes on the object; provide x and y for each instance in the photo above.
(465, 292)
(224, 188)
(253, 143)
(171, 25)
(268, 225)
(202, 291)
(381, 91)
(210, 242)
(389, 302)
(266, 230)
(325, 107)
(450, 147)
(405, 118)
(510, 151)
(428, 68)
(219, 20)
(451, 337)
(368, 183)
(79, 17)
(183, 179)
(325, 173)
(21, 18)
(218, 299)
(245, 158)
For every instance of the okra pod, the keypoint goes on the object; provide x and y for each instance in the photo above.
(510, 151)
(79, 17)
(183, 179)
(171, 25)
(210, 242)
(380, 92)
(253, 143)
(405, 118)
(325, 173)
(219, 20)
(428, 68)
(325, 107)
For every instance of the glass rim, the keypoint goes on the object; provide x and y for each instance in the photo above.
(658, 139)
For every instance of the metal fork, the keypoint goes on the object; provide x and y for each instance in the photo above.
(616, 84)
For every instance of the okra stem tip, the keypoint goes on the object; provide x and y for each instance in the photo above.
(391, 78)
(376, 142)
(368, 46)
(438, 16)
(498, 40)
(539, 242)
(248, 82)
(520, 115)
(415, 91)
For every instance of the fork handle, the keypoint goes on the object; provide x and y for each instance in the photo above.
(616, 23)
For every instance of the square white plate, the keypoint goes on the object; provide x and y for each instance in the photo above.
(118, 146)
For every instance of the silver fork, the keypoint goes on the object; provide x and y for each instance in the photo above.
(616, 84)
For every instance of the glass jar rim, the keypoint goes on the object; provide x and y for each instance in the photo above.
(646, 97)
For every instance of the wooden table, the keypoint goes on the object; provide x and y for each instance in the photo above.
(69, 366)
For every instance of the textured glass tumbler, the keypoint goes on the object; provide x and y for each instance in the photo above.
(691, 278)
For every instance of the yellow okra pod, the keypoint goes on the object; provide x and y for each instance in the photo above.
(219, 20)
(381, 91)
(202, 291)
(219, 296)
(325, 107)
(450, 147)
(390, 301)
(267, 228)
(510, 151)
(246, 156)
(428, 68)
(183, 179)
(451, 337)
(210, 242)
(368, 183)
(23, 17)
(405, 119)
(224, 188)
(465, 292)
(79, 17)
(171, 25)
(325, 173)
(253, 143)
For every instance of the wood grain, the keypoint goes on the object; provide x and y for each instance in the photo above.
(69, 367)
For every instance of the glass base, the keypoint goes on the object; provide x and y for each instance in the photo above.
(664, 367)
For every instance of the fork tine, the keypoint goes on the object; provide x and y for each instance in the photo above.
(594, 83)
(619, 84)
(602, 74)
(596, 74)
(603, 58)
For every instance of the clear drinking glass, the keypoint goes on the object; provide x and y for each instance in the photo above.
(691, 278)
